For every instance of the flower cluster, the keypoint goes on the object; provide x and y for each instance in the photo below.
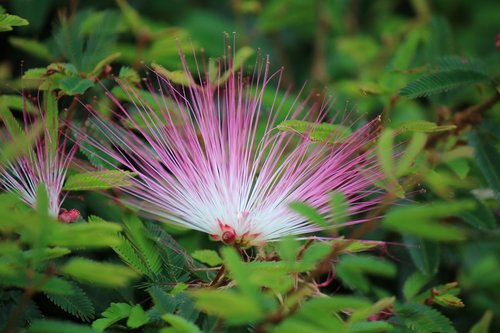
(207, 155)
(47, 162)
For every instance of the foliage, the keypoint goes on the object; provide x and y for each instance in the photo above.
(424, 260)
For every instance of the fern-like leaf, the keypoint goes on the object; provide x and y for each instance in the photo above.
(453, 62)
(143, 244)
(423, 319)
(127, 252)
(442, 81)
(78, 304)
(96, 157)
(177, 262)
(98, 180)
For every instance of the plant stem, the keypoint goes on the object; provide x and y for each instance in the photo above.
(470, 116)
(29, 291)
(282, 312)
(18, 311)
(218, 277)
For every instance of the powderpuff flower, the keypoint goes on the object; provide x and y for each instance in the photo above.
(46, 162)
(208, 155)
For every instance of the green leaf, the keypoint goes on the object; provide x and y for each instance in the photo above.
(352, 270)
(339, 207)
(32, 47)
(19, 144)
(13, 220)
(235, 308)
(309, 212)
(209, 257)
(460, 166)
(177, 264)
(179, 77)
(42, 203)
(35, 74)
(239, 272)
(242, 55)
(353, 280)
(100, 274)
(39, 239)
(365, 313)
(451, 62)
(448, 301)
(146, 97)
(422, 220)
(78, 303)
(483, 325)
(370, 327)
(178, 325)
(288, 248)
(178, 288)
(166, 303)
(85, 49)
(137, 317)
(51, 122)
(56, 326)
(317, 132)
(17, 102)
(54, 285)
(139, 94)
(422, 126)
(385, 153)
(104, 62)
(300, 324)
(8, 21)
(12, 125)
(442, 81)
(368, 265)
(482, 217)
(385, 156)
(406, 50)
(414, 284)
(425, 254)
(317, 315)
(338, 303)
(96, 156)
(411, 152)
(114, 313)
(353, 246)
(486, 156)
(423, 319)
(132, 17)
(129, 75)
(48, 253)
(98, 180)
(130, 255)
(75, 85)
(85, 235)
(272, 275)
(141, 240)
(58, 286)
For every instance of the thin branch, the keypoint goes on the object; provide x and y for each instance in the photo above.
(468, 117)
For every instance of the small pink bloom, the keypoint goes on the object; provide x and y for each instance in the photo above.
(208, 156)
(68, 216)
(46, 163)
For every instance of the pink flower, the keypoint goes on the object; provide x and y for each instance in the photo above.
(208, 156)
(47, 162)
